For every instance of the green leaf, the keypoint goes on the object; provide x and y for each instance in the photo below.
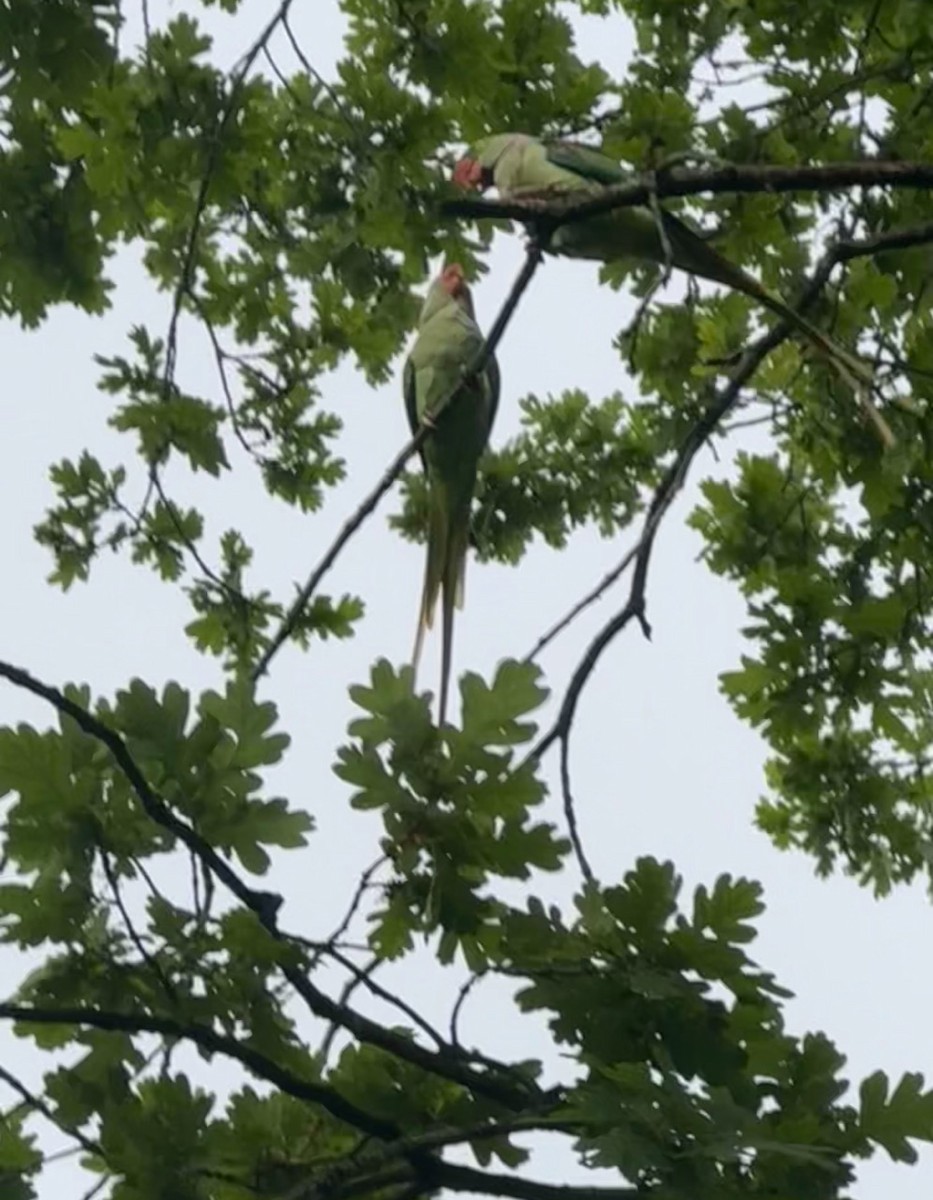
(892, 1120)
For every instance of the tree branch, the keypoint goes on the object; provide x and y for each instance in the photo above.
(902, 238)
(392, 472)
(570, 813)
(670, 485)
(258, 1064)
(353, 1174)
(265, 905)
(487, 1183)
(634, 607)
(566, 207)
(88, 1145)
(590, 598)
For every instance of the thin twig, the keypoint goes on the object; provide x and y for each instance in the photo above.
(151, 962)
(364, 976)
(238, 78)
(322, 82)
(590, 598)
(465, 990)
(352, 909)
(630, 333)
(358, 976)
(221, 359)
(183, 287)
(570, 812)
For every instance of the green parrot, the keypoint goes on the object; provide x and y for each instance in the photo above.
(516, 163)
(448, 341)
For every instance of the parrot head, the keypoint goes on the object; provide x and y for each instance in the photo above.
(476, 170)
(450, 285)
(453, 281)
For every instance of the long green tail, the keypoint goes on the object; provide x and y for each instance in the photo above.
(691, 253)
(433, 572)
(452, 597)
(633, 233)
(445, 568)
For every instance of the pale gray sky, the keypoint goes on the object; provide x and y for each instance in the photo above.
(661, 766)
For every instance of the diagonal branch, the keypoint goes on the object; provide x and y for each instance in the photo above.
(491, 1083)
(591, 597)
(901, 238)
(392, 472)
(208, 1039)
(667, 490)
(263, 904)
(31, 1100)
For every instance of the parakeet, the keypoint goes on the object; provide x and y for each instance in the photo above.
(516, 163)
(448, 340)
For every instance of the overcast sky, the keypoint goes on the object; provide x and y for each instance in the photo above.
(661, 766)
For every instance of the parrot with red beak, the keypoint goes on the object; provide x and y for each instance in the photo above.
(448, 341)
(515, 163)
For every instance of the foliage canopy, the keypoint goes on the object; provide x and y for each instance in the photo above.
(295, 217)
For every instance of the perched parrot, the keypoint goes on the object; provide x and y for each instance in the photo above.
(516, 163)
(448, 340)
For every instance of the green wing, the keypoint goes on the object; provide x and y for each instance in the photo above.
(493, 387)
(586, 162)
(411, 404)
(493, 384)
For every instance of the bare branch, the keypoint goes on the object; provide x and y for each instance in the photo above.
(358, 976)
(570, 812)
(465, 990)
(590, 598)
(364, 882)
(322, 83)
(364, 976)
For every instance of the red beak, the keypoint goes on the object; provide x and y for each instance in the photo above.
(454, 280)
(468, 174)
